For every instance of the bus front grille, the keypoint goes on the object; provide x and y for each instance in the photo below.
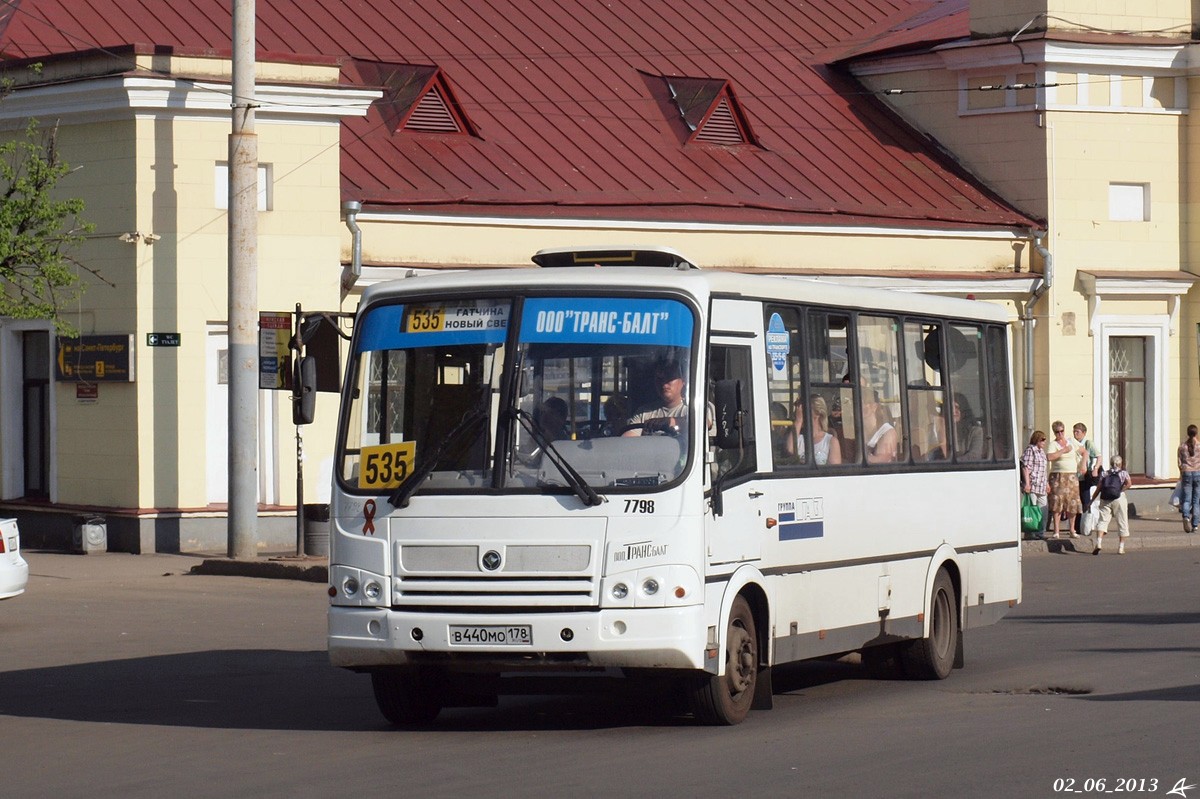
(464, 575)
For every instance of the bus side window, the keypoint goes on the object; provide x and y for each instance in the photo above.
(999, 407)
(733, 363)
(965, 351)
(879, 379)
(926, 391)
(827, 348)
(785, 375)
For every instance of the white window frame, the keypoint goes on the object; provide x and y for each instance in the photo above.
(1157, 329)
(266, 188)
(1124, 202)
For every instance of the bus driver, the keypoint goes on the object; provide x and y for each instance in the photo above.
(665, 418)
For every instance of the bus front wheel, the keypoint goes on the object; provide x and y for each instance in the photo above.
(408, 696)
(726, 699)
(932, 657)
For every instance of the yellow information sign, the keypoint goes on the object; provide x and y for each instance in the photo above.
(426, 319)
(386, 465)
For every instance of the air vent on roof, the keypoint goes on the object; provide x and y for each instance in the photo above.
(415, 98)
(721, 127)
(710, 110)
(431, 114)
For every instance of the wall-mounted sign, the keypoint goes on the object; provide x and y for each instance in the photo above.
(94, 359)
(274, 355)
(163, 339)
(87, 393)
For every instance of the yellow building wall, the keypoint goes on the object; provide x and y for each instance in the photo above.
(96, 464)
(143, 444)
(997, 17)
(396, 241)
(298, 252)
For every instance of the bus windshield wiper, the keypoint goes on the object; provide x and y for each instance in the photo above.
(587, 495)
(469, 422)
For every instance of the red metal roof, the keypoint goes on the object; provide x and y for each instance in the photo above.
(570, 111)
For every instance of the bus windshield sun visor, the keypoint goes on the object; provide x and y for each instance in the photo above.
(587, 495)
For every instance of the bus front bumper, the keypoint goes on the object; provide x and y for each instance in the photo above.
(672, 638)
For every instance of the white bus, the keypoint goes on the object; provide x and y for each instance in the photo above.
(618, 461)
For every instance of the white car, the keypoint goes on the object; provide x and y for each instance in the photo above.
(14, 571)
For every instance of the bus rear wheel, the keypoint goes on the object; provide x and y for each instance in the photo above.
(408, 696)
(726, 699)
(932, 657)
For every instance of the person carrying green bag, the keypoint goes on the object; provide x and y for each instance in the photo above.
(1034, 483)
(1031, 516)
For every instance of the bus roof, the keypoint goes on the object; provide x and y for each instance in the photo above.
(700, 283)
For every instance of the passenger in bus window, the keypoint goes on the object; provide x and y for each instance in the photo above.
(826, 449)
(670, 416)
(616, 414)
(882, 439)
(551, 418)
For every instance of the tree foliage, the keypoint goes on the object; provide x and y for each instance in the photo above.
(39, 278)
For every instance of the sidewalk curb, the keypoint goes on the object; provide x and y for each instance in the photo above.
(1085, 545)
(313, 570)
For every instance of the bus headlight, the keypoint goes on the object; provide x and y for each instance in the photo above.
(372, 590)
(350, 586)
(650, 586)
(620, 591)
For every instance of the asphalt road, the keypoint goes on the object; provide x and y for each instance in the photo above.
(125, 676)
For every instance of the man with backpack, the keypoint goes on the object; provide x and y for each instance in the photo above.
(1110, 489)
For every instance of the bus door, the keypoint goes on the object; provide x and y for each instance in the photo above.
(734, 534)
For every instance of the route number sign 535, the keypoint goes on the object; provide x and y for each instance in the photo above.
(387, 465)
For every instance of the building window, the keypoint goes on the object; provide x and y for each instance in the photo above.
(1127, 401)
(1129, 202)
(266, 194)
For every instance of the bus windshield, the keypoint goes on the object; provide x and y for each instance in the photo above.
(580, 393)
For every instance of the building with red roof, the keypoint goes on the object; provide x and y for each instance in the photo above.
(928, 145)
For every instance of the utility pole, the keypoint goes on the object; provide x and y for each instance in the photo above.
(243, 293)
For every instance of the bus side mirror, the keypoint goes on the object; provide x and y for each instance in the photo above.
(727, 419)
(304, 402)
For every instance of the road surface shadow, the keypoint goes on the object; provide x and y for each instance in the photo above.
(1139, 619)
(1176, 693)
(285, 690)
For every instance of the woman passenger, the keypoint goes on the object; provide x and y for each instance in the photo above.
(883, 440)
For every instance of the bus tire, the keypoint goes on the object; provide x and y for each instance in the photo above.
(932, 657)
(407, 696)
(726, 699)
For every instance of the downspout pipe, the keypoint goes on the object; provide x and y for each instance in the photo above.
(351, 274)
(1028, 322)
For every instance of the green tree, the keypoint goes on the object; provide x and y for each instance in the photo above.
(38, 275)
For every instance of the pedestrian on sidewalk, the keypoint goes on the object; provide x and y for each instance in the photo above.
(1033, 476)
(1064, 455)
(1110, 490)
(1088, 476)
(1189, 480)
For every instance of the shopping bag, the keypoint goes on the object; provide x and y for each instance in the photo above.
(1031, 514)
(1177, 494)
(1087, 520)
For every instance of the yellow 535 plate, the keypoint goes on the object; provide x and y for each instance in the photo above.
(387, 465)
(425, 319)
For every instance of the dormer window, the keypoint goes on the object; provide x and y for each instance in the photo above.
(710, 110)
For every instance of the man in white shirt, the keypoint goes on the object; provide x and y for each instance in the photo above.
(669, 417)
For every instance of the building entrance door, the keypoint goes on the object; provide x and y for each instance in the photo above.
(35, 412)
